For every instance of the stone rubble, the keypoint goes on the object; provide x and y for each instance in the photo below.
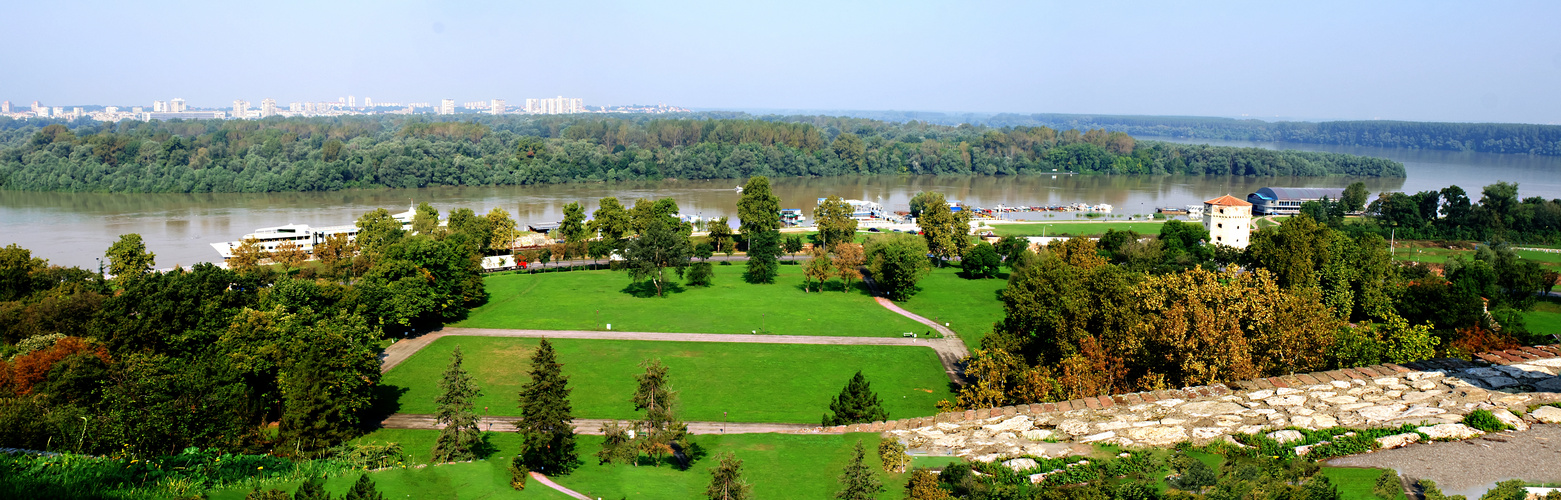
(1387, 396)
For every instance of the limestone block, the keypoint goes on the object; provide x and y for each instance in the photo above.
(1156, 436)
(1423, 375)
(1286, 391)
(1074, 427)
(1173, 421)
(1423, 385)
(1341, 400)
(1286, 436)
(1393, 394)
(1549, 385)
(1378, 413)
(1449, 431)
(945, 426)
(1208, 432)
(1020, 464)
(1506, 417)
(1036, 434)
(1421, 411)
(985, 458)
(1322, 394)
(1303, 422)
(1499, 382)
(1522, 372)
(1291, 400)
(1111, 426)
(1305, 412)
(1263, 394)
(1098, 437)
(1019, 423)
(1249, 429)
(1549, 362)
(1227, 420)
(1483, 372)
(1208, 408)
(1547, 414)
(1169, 403)
(1303, 450)
(1324, 421)
(1340, 384)
(1397, 440)
(1386, 381)
(1354, 406)
(1417, 396)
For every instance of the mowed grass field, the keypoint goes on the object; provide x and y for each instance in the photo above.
(779, 466)
(589, 300)
(748, 382)
(1073, 228)
(1425, 252)
(969, 307)
(1545, 318)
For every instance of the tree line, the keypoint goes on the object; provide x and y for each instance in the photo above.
(322, 154)
(1512, 138)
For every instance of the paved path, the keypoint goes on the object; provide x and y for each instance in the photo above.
(949, 349)
(549, 483)
(593, 426)
(1472, 466)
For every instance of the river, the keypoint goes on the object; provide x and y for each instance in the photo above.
(75, 229)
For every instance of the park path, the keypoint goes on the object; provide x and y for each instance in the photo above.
(949, 349)
(593, 426)
(549, 483)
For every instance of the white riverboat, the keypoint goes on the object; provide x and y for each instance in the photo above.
(303, 235)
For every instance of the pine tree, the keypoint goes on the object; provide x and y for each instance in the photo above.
(858, 480)
(312, 489)
(726, 480)
(363, 490)
(660, 427)
(546, 421)
(856, 404)
(311, 421)
(460, 437)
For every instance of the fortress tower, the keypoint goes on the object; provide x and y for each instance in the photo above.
(1229, 221)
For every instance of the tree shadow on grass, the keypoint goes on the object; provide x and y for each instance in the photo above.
(646, 289)
(485, 448)
(384, 402)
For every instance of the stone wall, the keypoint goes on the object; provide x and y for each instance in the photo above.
(1423, 393)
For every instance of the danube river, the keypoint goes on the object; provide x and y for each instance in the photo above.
(76, 228)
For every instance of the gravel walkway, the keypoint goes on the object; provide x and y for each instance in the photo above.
(1472, 466)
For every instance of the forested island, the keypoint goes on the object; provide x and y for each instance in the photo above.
(323, 154)
(1515, 138)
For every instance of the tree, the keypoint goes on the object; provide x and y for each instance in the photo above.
(460, 437)
(721, 235)
(704, 251)
(924, 486)
(646, 213)
(817, 270)
(726, 480)
(981, 261)
(617, 446)
(849, 258)
(947, 232)
(335, 248)
(572, 228)
(920, 202)
(648, 256)
(891, 454)
(763, 250)
(850, 149)
(248, 254)
(1294, 251)
(1354, 198)
(425, 219)
(312, 488)
(835, 225)
(501, 230)
(1011, 248)
(363, 490)
(546, 418)
(660, 427)
(270, 494)
(610, 219)
(290, 255)
(700, 273)
(792, 245)
(856, 404)
(377, 230)
(858, 481)
(897, 261)
(128, 257)
(758, 210)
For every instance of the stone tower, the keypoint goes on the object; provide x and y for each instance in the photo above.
(1229, 221)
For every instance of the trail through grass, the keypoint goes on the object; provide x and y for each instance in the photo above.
(969, 307)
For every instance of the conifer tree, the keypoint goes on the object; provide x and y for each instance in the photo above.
(363, 490)
(726, 480)
(312, 489)
(660, 427)
(856, 404)
(460, 437)
(546, 421)
(858, 481)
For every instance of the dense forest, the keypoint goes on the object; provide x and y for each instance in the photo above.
(319, 154)
(1451, 214)
(1482, 137)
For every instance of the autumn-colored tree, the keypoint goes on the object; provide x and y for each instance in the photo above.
(248, 254)
(1477, 339)
(987, 376)
(817, 270)
(289, 254)
(30, 369)
(335, 248)
(849, 258)
(924, 486)
(502, 232)
(1079, 252)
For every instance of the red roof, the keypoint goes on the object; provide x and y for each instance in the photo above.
(1228, 201)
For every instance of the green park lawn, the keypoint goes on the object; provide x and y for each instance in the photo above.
(969, 307)
(573, 300)
(1072, 228)
(1418, 251)
(749, 382)
(1545, 318)
(778, 466)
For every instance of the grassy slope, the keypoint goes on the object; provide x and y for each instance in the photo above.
(570, 301)
(1073, 228)
(1355, 484)
(777, 465)
(752, 382)
(1545, 318)
(968, 306)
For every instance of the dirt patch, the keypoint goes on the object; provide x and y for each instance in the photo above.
(1470, 467)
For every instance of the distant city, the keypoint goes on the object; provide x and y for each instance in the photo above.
(342, 106)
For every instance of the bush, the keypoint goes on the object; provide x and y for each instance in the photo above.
(1387, 487)
(699, 274)
(1507, 490)
(1484, 420)
(518, 472)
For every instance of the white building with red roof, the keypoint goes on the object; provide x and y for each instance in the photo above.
(1229, 221)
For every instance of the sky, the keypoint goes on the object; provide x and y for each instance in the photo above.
(1490, 61)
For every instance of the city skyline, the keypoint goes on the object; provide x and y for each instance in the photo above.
(1400, 60)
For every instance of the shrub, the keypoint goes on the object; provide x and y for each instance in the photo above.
(1507, 490)
(1484, 420)
(518, 472)
(1387, 486)
(699, 274)
(892, 453)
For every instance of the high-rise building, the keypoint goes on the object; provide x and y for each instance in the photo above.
(368, 102)
(42, 111)
(176, 105)
(555, 106)
(5, 107)
(496, 106)
(447, 107)
(240, 108)
(267, 107)
(137, 109)
(36, 107)
(352, 102)
(157, 106)
(57, 111)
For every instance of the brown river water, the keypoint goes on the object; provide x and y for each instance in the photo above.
(76, 228)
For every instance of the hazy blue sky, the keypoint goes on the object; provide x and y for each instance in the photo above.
(1417, 60)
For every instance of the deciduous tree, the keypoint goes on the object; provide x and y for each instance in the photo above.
(897, 261)
(834, 221)
(128, 257)
(981, 261)
(849, 258)
(659, 248)
(947, 232)
(610, 220)
(817, 270)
